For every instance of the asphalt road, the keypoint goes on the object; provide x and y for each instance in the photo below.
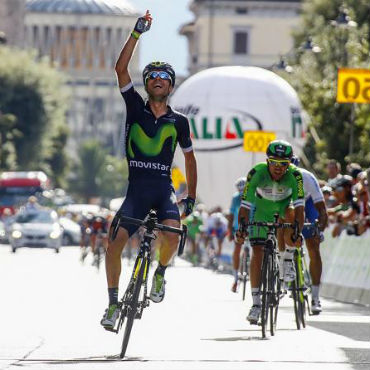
(51, 306)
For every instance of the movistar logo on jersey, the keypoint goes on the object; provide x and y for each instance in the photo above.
(150, 146)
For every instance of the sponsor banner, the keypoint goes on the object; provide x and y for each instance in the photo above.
(257, 141)
(353, 85)
(222, 104)
(346, 265)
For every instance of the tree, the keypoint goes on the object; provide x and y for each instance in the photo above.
(57, 159)
(314, 77)
(98, 174)
(33, 92)
(7, 134)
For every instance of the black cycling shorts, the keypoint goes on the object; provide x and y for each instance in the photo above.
(142, 196)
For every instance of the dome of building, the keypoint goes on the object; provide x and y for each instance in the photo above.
(108, 7)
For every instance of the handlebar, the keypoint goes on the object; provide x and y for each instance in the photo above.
(280, 225)
(150, 224)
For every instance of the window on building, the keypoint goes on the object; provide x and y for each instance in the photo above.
(240, 42)
(241, 10)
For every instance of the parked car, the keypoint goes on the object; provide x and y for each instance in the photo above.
(71, 231)
(3, 238)
(37, 229)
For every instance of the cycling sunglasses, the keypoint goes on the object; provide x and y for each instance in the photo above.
(279, 162)
(163, 75)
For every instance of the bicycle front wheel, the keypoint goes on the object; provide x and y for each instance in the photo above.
(295, 294)
(301, 299)
(244, 272)
(132, 307)
(265, 292)
(275, 296)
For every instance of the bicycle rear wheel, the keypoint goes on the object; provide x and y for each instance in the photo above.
(274, 300)
(265, 292)
(132, 307)
(295, 293)
(301, 301)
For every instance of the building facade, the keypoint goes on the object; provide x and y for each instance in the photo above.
(83, 39)
(240, 32)
(12, 14)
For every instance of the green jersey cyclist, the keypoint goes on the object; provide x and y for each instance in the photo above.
(272, 187)
(152, 132)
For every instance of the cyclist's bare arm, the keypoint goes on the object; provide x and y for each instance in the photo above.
(243, 216)
(191, 173)
(230, 219)
(323, 215)
(299, 216)
(125, 56)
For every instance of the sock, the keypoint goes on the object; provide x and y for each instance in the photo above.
(160, 269)
(289, 253)
(236, 275)
(281, 264)
(256, 297)
(315, 292)
(113, 296)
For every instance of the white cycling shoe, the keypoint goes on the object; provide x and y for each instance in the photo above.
(254, 314)
(316, 307)
(158, 288)
(289, 271)
(110, 316)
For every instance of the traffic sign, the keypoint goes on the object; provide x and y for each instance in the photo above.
(353, 85)
(257, 141)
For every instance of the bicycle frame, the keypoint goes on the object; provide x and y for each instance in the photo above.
(131, 305)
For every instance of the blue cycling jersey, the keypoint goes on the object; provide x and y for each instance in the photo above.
(234, 208)
(150, 142)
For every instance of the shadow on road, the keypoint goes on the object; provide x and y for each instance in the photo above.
(353, 330)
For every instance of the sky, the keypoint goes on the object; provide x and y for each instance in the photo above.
(163, 42)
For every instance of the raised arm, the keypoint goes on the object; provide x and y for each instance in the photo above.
(191, 173)
(142, 25)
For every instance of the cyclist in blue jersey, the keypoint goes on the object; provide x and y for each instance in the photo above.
(233, 227)
(315, 208)
(152, 132)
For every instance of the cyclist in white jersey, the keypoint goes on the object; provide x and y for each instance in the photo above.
(315, 208)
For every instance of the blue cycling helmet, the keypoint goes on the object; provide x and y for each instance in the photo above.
(159, 66)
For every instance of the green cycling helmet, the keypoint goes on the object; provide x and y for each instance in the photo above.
(159, 66)
(279, 149)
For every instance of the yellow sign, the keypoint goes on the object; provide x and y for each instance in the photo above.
(177, 178)
(257, 141)
(353, 85)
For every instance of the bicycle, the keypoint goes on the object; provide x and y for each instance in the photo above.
(270, 286)
(244, 268)
(301, 286)
(135, 298)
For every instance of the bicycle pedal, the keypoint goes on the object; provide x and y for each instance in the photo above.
(112, 330)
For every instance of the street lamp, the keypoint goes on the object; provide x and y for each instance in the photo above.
(282, 65)
(344, 21)
(309, 45)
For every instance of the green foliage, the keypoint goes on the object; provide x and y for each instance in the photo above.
(7, 134)
(32, 92)
(98, 174)
(57, 159)
(314, 77)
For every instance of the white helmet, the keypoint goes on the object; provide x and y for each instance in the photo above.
(240, 184)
